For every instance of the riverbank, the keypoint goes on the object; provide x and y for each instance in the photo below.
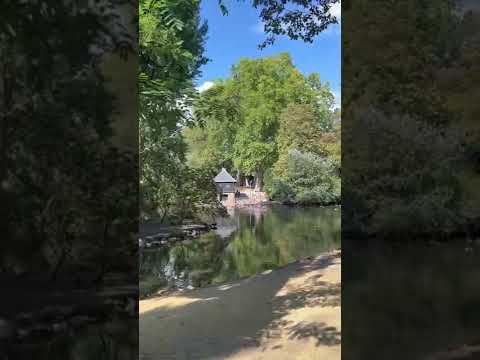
(155, 234)
(248, 197)
(248, 242)
(292, 311)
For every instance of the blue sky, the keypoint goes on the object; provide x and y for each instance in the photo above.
(240, 32)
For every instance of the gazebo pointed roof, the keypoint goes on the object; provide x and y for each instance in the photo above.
(224, 177)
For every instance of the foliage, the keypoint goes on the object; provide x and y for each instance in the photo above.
(266, 86)
(297, 19)
(60, 172)
(417, 197)
(306, 179)
(410, 165)
(459, 82)
(171, 53)
(303, 129)
(239, 118)
(307, 140)
(211, 143)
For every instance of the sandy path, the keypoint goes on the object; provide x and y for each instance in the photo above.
(290, 313)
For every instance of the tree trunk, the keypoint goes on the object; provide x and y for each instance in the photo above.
(259, 181)
(239, 178)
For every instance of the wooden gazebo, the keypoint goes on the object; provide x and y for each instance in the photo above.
(226, 185)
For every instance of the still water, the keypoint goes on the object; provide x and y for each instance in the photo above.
(411, 300)
(247, 242)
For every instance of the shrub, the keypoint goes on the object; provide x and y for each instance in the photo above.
(307, 178)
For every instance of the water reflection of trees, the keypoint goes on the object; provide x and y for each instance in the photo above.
(426, 300)
(199, 258)
(263, 240)
(285, 235)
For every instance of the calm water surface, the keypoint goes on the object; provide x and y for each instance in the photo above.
(247, 242)
(411, 300)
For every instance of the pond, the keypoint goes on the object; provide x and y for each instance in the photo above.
(247, 242)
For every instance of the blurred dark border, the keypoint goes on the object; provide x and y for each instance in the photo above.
(410, 179)
(68, 179)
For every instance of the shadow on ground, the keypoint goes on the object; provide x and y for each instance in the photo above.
(324, 335)
(214, 322)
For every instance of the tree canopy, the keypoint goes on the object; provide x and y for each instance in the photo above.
(249, 121)
(65, 186)
(171, 53)
(235, 124)
(410, 163)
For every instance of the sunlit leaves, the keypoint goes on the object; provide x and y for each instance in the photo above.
(297, 19)
(249, 122)
(171, 52)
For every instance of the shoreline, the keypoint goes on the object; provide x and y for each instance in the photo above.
(156, 235)
(156, 283)
(164, 292)
(295, 308)
(279, 203)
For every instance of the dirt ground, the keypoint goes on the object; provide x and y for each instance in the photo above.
(290, 313)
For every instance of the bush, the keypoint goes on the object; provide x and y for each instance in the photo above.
(404, 180)
(306, 179)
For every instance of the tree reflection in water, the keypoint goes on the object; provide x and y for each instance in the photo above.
(249, 241)
(410, 300)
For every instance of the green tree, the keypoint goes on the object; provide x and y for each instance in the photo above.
(301, 128)
(306, 178)
(305, 130)
(59, 167)
(406, 170)
(171, 53)
(211, 142)
(456, 82)
(238, 119)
